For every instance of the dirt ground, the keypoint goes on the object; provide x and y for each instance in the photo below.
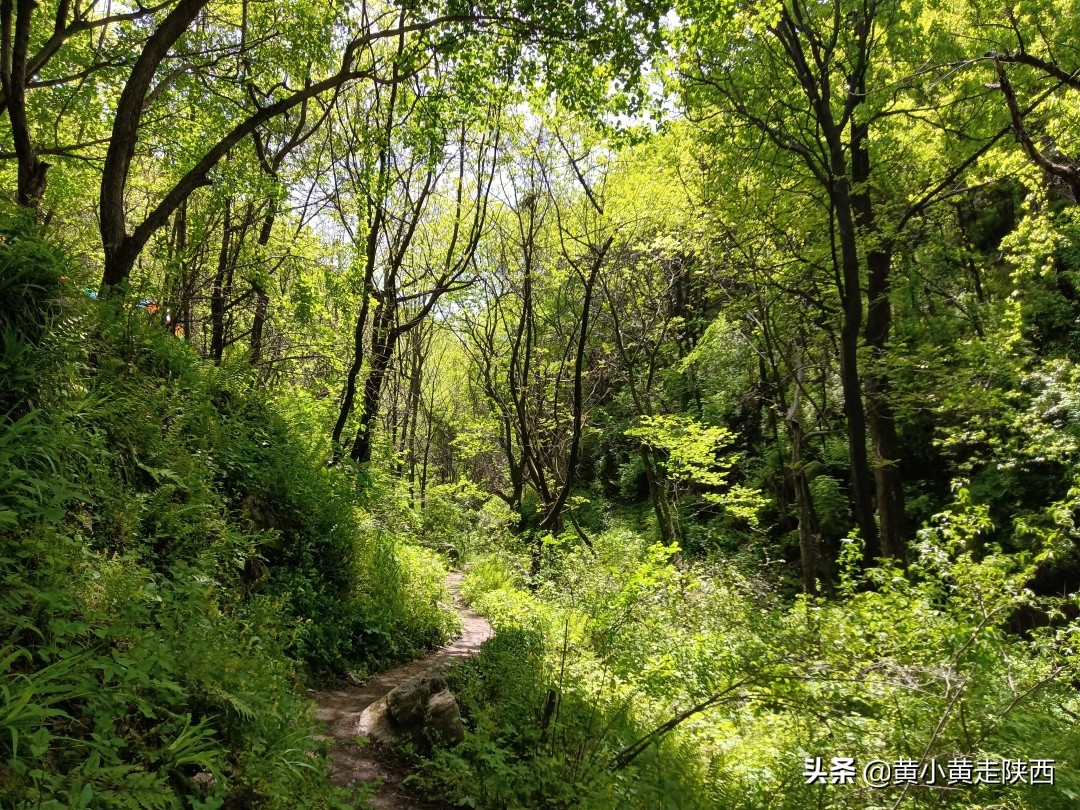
(340, 709)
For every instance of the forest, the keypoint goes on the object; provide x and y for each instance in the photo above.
(719, 359)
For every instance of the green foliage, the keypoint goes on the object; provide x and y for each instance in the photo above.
(176, 560)
(124, 685)
(30, 278)
(502, 762)
(489, 573)
(917, 664)
(690, 449)
(182, 554)
(196, 466)
(831, 504)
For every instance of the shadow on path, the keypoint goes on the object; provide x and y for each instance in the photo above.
(340, 710)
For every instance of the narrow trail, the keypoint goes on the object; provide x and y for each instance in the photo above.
(340, 710)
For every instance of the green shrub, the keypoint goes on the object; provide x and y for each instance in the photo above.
(697, 687)
(489, 573)
(121, 683)
(176, 562)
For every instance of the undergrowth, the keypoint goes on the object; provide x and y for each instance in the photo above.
(177, 564)
(627, 678)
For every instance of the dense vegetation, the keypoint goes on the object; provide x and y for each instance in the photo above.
(176, 556)
(733, 347)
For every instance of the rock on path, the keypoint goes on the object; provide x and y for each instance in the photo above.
(340, 709)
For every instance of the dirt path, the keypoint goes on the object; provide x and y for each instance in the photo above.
(340, 709)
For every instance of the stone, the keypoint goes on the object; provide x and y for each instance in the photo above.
(407, 701)
(421, 710)
(442, 719)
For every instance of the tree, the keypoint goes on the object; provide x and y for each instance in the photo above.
(73, 34)
(528, 329)
(1031, 43)
(821, 91)
(421, 33)
(422, 213)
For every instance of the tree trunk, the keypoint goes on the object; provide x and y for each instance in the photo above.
(659, 496)
(217, 295)
(851, 294)
(832, 172)
(262, 300)
(552, 520)
(120, 250)
(179, 304)
(258, 322)
(31, 170)
(889, 483)
(412, 406)
(814, 564)
(383, 339)
(349, 393)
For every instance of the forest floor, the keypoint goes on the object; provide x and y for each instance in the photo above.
(353, 763)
